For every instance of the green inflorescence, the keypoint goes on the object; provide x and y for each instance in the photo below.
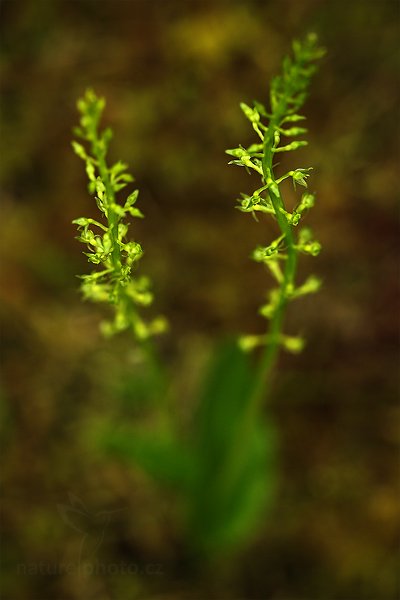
(288, 93)
(115, 281)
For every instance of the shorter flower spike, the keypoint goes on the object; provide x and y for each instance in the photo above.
(116, 283)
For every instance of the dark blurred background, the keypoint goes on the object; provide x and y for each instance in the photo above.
(173, 73)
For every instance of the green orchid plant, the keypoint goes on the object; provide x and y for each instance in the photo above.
(225, 471)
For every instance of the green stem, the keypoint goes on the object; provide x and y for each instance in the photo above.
(112, 218)
(111, 215)
(270, 355)
(268, 359)
(99, 152)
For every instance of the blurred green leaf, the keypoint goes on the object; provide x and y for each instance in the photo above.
(235, 465)
(158, 452)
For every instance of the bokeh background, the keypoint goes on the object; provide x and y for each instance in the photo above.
(173, 73)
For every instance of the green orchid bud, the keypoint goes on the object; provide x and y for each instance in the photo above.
(251, 113)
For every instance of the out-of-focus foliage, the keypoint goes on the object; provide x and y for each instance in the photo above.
(223, 485)
(174, 73)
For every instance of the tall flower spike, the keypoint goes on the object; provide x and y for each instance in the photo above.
(115, 282)
(287, 95)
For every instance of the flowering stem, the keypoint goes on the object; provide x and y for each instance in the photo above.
(288, 93)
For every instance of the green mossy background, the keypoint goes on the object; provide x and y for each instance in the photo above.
(173, 73)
